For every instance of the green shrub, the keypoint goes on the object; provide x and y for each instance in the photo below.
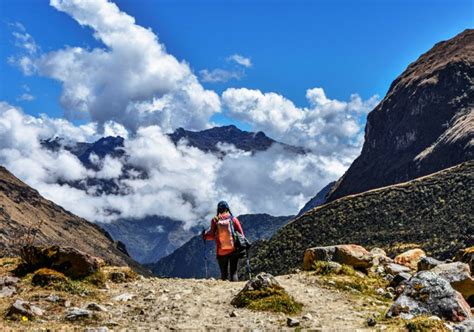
(270, 299)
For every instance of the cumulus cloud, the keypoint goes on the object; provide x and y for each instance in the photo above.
(25, 97)
(132, 80)
(131, 87)
(181, 182)
(219, 75)
(328, 126)
(240, 60)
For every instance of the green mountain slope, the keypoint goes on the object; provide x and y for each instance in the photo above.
(435, 212)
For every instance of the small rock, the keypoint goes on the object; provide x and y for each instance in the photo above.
(394, 269)
(371, 321)
(53, 298)
(7, 291)
(67, 303)
(400, 279)
(96, 329)
(291, 322)
(23, 308)
(465, 326)
(427, 263)
(378, 251)
(380, 291)
(233, 314)
(123, 297)
(8, 281)
(307, 316)
(177, 297)
(77, 313)
(96, 307)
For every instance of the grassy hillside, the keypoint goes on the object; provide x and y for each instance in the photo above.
(435, 212)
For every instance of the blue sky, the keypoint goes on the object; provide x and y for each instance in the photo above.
(343, 46)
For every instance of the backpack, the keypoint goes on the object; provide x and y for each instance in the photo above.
(241, 243)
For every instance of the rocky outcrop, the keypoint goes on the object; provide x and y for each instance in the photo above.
(426, 293)
(348, 254)
(417, 212)
(26, 217)
(72, 262)
(466, 256)
(424, 124)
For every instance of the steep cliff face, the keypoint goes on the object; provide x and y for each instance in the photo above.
(23, 209)
(424, 124)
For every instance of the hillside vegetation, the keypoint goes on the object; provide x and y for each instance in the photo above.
(435, 212)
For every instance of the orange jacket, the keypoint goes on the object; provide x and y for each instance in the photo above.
(215, 233)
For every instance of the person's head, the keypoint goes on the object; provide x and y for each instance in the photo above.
(222, 207)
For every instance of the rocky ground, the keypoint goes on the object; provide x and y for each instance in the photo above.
(343, 287)
(190, 304)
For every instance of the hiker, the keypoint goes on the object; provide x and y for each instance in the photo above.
(223, 226)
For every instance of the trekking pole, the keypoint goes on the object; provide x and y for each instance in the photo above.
(248, 264)
(205, 252)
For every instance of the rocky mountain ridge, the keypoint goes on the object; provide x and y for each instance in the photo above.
(23, 210)
(424, 124)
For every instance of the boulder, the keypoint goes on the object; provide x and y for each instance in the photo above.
(458, 275)
(349, 254)
(395, 269)
(292, 322)
(410, 258)
(466, 256)
(426, 293)
(427, 263)
(70, 261)
(22, 308)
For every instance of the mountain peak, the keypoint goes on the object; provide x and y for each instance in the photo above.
(424, 124)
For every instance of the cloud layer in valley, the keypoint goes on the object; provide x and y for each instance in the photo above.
(132, 87)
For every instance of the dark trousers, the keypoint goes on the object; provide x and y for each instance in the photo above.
(226, 263)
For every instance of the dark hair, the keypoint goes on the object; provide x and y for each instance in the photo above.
(222, 207)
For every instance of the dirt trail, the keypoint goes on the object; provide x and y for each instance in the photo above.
(205, 304)
(183, 304)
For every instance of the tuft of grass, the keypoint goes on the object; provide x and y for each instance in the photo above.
(425, 324)
(270, 299)
(51, 279)
(97, 279)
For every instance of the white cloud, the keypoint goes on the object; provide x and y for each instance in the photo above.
(329, 127)
(219, 75)
(132, 80)
(240, 60)
(133, 88)
(183, 182)
(25, 97)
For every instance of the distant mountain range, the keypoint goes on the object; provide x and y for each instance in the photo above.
(189, 261)
(148, 239)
